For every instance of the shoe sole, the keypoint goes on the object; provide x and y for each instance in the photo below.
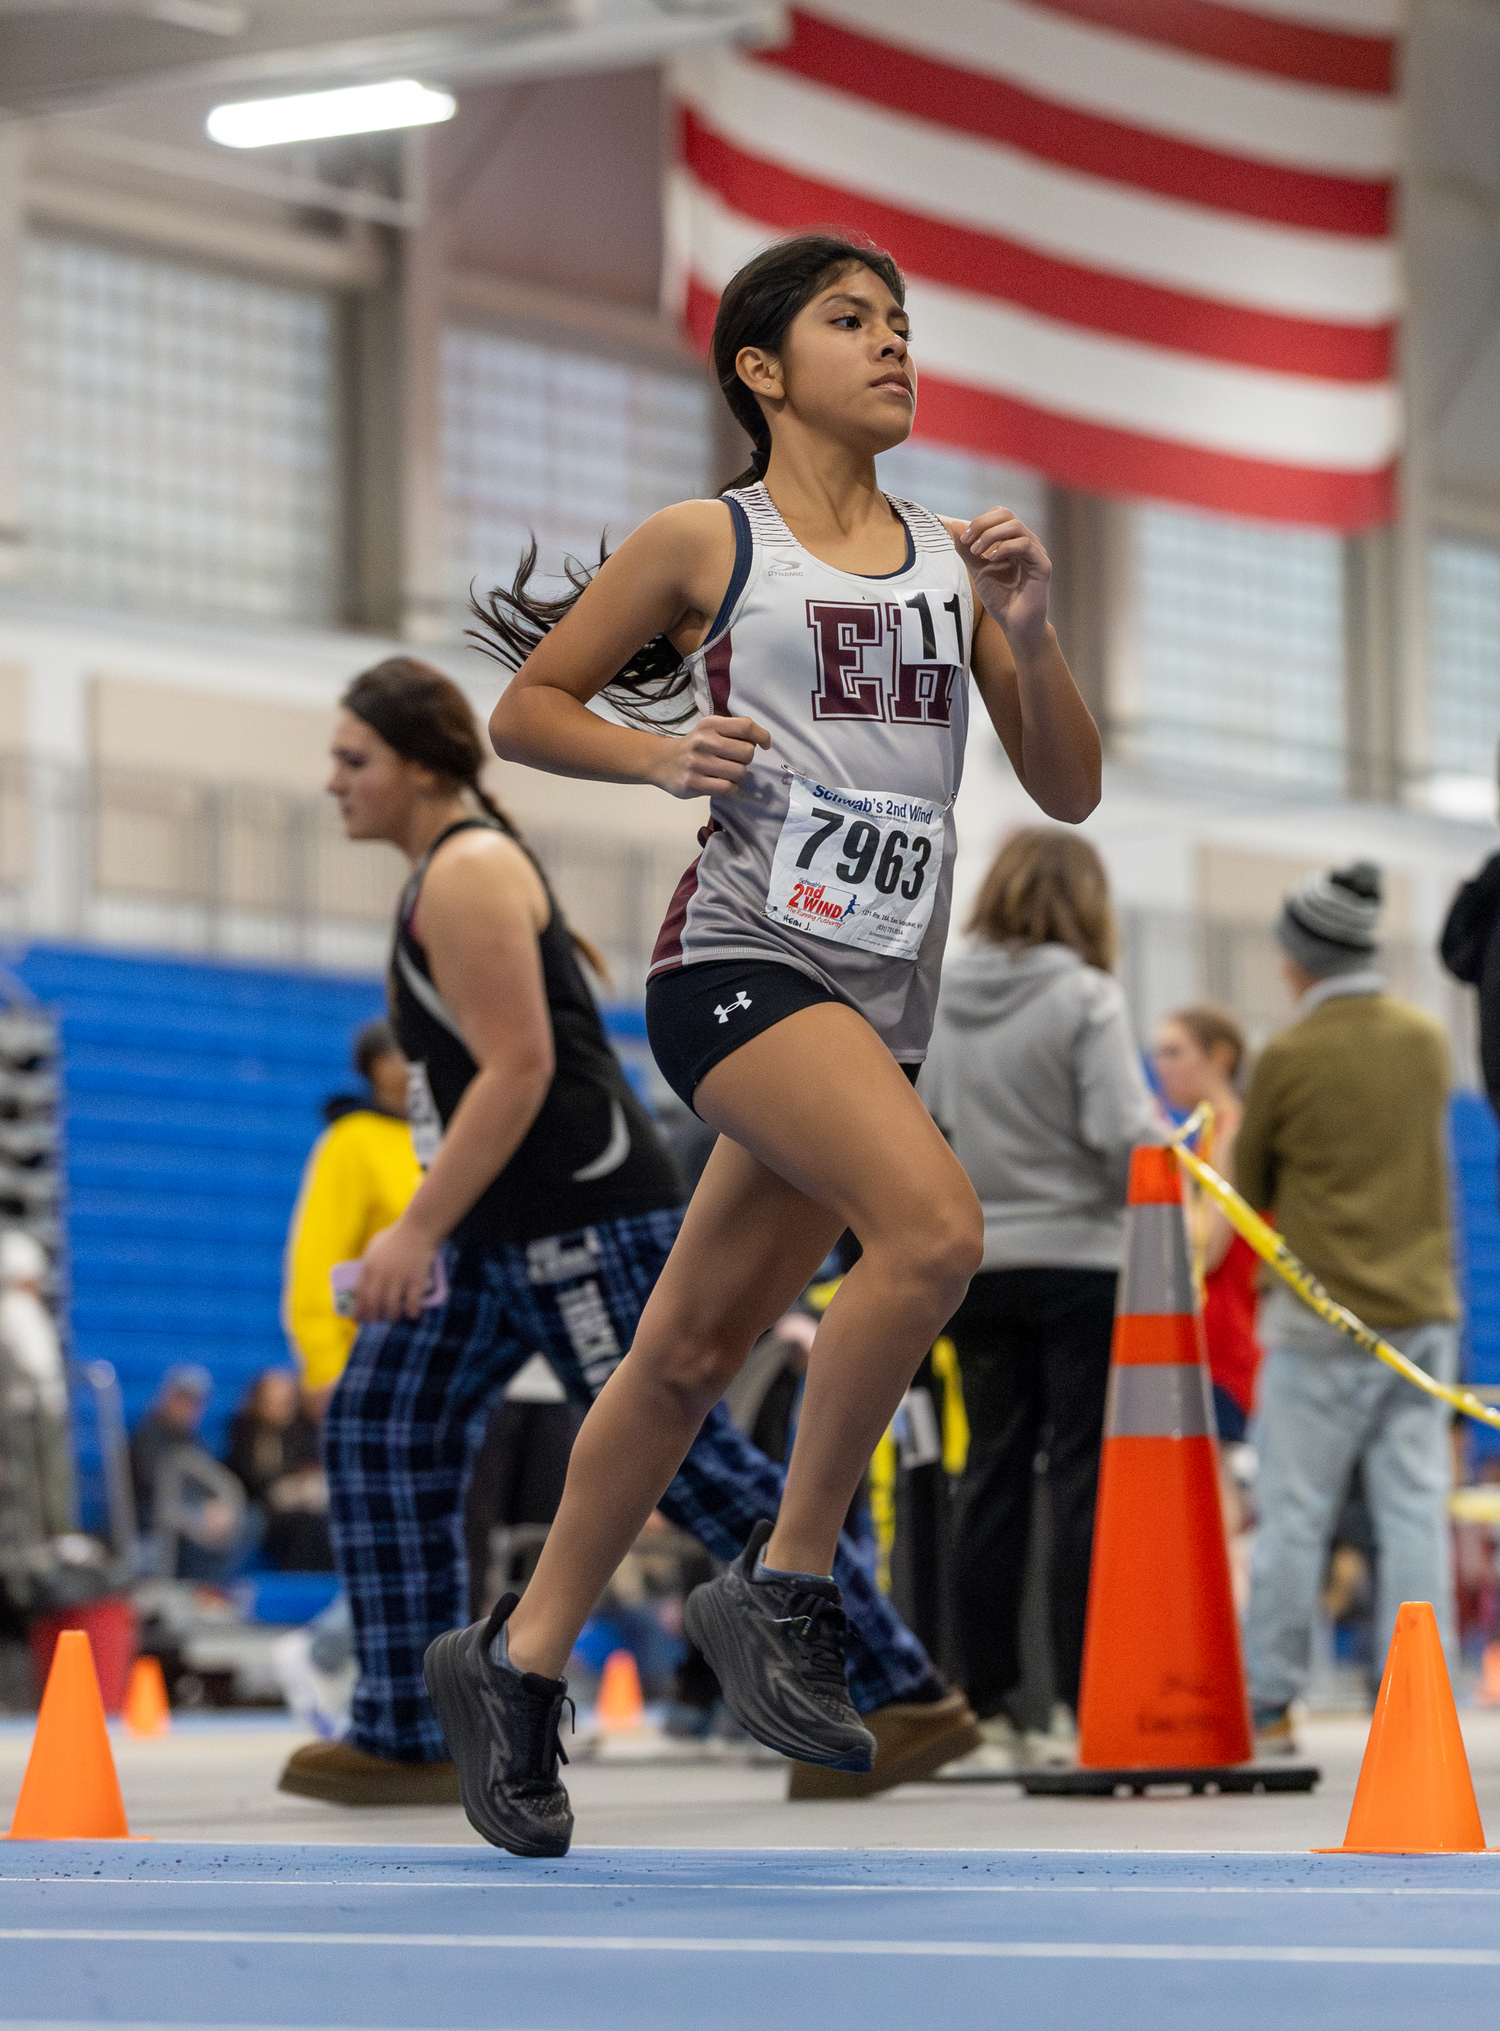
(446, 1691)
(441, 1789)
(810, 1780)
(708, 1624)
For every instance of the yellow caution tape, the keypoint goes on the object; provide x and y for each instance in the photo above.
(882, 1485)
(885, 1460)
(1271, 1249)
(955, 1416)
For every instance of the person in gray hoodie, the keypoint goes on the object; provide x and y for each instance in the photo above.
(1035, 1080)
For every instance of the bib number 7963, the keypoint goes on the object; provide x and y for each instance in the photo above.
(858, 867)
(860, 844)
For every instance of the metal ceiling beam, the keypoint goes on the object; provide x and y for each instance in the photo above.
(192, 165)
(354, 260)
(551, 37)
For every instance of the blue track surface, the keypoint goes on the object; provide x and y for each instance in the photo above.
(780, 1940)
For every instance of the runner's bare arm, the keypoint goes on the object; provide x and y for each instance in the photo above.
(482, 905)
(1028, 690)
(667, 577)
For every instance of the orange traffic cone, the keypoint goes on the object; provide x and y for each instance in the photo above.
(147, 1708)
(1487, 1693)
(1163, 1686)
(70, 1790)
(1415, 1795)
(619, 1705)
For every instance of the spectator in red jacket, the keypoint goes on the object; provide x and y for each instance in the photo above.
(1198, 1055)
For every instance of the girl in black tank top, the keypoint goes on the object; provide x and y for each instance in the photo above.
(591, 1154)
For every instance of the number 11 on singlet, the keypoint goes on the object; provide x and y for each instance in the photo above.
(859, 867)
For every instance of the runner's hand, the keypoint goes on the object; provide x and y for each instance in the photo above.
(394, 1271)
(711, 758)
(1011, 570)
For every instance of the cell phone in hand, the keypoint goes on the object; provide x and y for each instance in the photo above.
(343, 1279)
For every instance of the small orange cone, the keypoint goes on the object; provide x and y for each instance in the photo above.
(1163, 1686)
(147, 1708)
(1488, 1692)
(1415, 1795)
(620, 1705)
(70, 1790)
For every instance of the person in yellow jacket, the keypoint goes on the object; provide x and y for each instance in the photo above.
(360, 1175)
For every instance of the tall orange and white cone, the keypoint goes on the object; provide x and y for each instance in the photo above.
(1163, 1684)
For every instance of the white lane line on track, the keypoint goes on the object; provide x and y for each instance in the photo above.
(914, 1949)
(661, 1887)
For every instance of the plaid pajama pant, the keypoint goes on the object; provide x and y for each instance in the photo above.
(408, 1415)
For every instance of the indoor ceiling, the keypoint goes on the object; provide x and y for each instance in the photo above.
(56, 55)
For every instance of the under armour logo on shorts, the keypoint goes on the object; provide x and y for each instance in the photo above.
(741, 1000)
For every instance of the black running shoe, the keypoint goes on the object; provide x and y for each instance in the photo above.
(502, 1730)
(778, 1649)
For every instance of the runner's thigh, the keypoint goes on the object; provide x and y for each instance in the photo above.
(820, 1102)
(748, 1246)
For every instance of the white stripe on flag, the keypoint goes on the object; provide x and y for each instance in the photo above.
(1244, 411)
(1107, 226)
(1122, 77)
(1354, 17)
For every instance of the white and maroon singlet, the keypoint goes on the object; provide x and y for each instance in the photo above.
(835, 853)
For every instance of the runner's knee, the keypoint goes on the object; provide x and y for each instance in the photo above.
(942, 1252)
(693, 1374)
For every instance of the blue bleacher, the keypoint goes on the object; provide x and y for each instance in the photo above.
(1476, 1162)
(192, 1093)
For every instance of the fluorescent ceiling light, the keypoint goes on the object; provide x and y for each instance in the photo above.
(311, 116)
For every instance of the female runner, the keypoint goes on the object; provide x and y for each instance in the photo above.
(828, 635)
(554, 1203)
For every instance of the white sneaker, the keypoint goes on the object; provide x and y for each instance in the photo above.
(1056, 1747)
(1001, 1754)
(319, 1699)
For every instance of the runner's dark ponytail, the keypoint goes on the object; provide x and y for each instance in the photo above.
(756, 309)
(512, 620)
(427, 719)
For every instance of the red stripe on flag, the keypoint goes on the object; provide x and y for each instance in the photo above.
(1249, 41)
(969, 103)
(1101, 460)
(988, 265)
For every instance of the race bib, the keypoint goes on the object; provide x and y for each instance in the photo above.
(422, 1117)
(859, 867)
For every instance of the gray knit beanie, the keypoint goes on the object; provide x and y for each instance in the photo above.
(1327, 922)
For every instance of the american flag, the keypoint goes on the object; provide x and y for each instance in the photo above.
(1150, 244)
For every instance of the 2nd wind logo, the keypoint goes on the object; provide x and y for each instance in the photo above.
(816, 899)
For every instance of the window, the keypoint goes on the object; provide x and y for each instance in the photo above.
(180, 443)
(561, 444)
(956, 483)
(1464, 609)
(1241, 649)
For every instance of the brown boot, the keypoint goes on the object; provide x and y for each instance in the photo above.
(911, 1741)
(341, 1775)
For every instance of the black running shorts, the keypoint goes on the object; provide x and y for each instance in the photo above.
(697, 1015)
